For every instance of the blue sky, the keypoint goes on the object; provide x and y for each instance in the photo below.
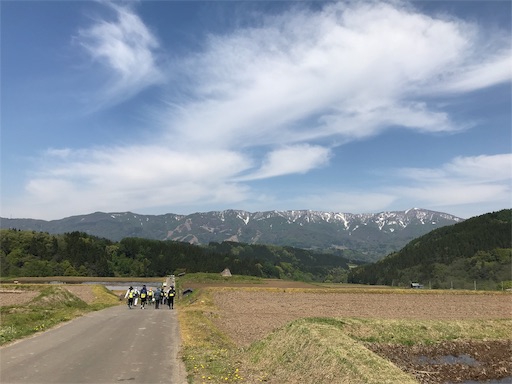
(178, 107)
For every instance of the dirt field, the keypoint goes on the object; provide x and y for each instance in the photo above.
(275, 309)
(248, 315)
(15, 297)
(18, 297)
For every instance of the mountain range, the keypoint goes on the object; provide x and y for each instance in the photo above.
(366, 237)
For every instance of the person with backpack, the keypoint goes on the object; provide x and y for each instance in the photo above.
(158, 297)
(135, 296)
(143, 297)
(162, 295)
(170, 297)
(150, 296)
(129, 295)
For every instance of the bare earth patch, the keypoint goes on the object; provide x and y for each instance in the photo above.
(15, 297)
(83, 291)
(19, 297)
(249, 315)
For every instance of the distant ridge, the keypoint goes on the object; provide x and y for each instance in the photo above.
(362, 236)
(478, 249)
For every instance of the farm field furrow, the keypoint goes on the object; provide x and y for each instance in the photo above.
(248, 315)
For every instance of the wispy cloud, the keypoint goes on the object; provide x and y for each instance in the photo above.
(290, 160)
(463, 181)
(347, 72)
(277, 99)
(347, 201)
(497, 70)
(126, 49)
(138, 176)
(475, 169)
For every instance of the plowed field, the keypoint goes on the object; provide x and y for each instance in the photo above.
(248, 315)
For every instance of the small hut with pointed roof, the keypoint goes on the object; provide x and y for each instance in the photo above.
(226, 272)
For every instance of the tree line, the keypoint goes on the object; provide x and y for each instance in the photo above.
(31, 253)
(477, 250)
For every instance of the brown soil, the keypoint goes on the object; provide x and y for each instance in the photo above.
(15, 297)
(19, 297)
(84, 292)
(249, 315)
(452, 362)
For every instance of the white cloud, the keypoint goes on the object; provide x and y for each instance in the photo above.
(137, 176)
(351, 201)
(303, 82)
(475, 169)
(59, 152)
(347, 72)
(290, 160)
(496, 71)
(126, 48)
(463, 181)
(466, 184)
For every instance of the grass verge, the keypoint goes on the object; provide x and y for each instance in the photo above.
(206, 278)
(52, 305)
(208, 354)
(412, 332)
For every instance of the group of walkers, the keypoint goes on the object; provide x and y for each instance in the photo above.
(150, 297)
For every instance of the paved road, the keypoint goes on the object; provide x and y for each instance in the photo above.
(115, 345)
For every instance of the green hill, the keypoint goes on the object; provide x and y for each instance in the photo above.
(475, 251)
(30, 253)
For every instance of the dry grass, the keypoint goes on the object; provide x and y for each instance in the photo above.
(410, 332)
(318, 351)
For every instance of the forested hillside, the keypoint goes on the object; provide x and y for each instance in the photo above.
(30, 253)
(476, 251)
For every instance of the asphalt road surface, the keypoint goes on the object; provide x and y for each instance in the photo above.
(115, 345)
